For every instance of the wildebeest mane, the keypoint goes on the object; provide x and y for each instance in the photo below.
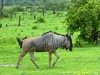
(52, 32)
(56, 40)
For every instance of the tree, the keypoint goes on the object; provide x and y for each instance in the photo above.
(84, 16)
(8, 2)
(1, 8)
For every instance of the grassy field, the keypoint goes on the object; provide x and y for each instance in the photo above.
(82, 61)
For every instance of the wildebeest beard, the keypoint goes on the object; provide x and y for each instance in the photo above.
(64, 47)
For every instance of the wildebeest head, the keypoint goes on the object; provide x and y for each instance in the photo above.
(68, 42)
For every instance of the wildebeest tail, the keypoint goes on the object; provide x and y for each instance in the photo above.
(19, 42)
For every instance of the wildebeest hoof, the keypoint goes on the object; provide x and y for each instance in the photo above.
(53, 64)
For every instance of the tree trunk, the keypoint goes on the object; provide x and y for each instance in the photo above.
(34, 16)
(54, 12)
(19, 24)
(43, 12)
(1, 10)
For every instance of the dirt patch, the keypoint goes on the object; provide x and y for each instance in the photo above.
(7, 65)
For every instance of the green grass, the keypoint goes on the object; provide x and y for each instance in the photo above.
(81, 61)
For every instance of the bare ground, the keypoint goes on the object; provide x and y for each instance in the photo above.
(7, 65)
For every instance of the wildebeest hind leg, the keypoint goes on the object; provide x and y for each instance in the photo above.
(32, 59)
(56, 58)
(50, 57)
(20, 58)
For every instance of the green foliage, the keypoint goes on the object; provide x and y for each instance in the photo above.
(47, 4)
(10, 12)
(59, 13)
(9, 2)
(34, 27)
(18, 8)
(80, 43)
(40, 20)
(84, 16)
(7, 13)
(0, 25)
(17, 2)
(26, 3)
(57, 5)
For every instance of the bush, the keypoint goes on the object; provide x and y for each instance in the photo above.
(81, 43)
(10, 12)
(0, 25)
(40, 20)
(83, 17)
(59, 14)
(6, 13)
(18, 8)
(34, 27)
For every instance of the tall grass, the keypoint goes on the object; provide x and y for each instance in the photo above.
(82, 61)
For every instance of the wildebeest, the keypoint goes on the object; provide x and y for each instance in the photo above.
(49, 41)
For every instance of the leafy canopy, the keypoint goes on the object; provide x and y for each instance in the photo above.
(84, 16)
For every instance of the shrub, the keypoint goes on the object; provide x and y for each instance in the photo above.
(59, 14)
(81, 43)
(18, 8)
(6, 13)
(83, 17)
(40, 20)
(34, 27)
(0, 25)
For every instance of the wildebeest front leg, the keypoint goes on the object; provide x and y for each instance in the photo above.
(32, 59)
(56, 58)
(50, 57)
(20, 58)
